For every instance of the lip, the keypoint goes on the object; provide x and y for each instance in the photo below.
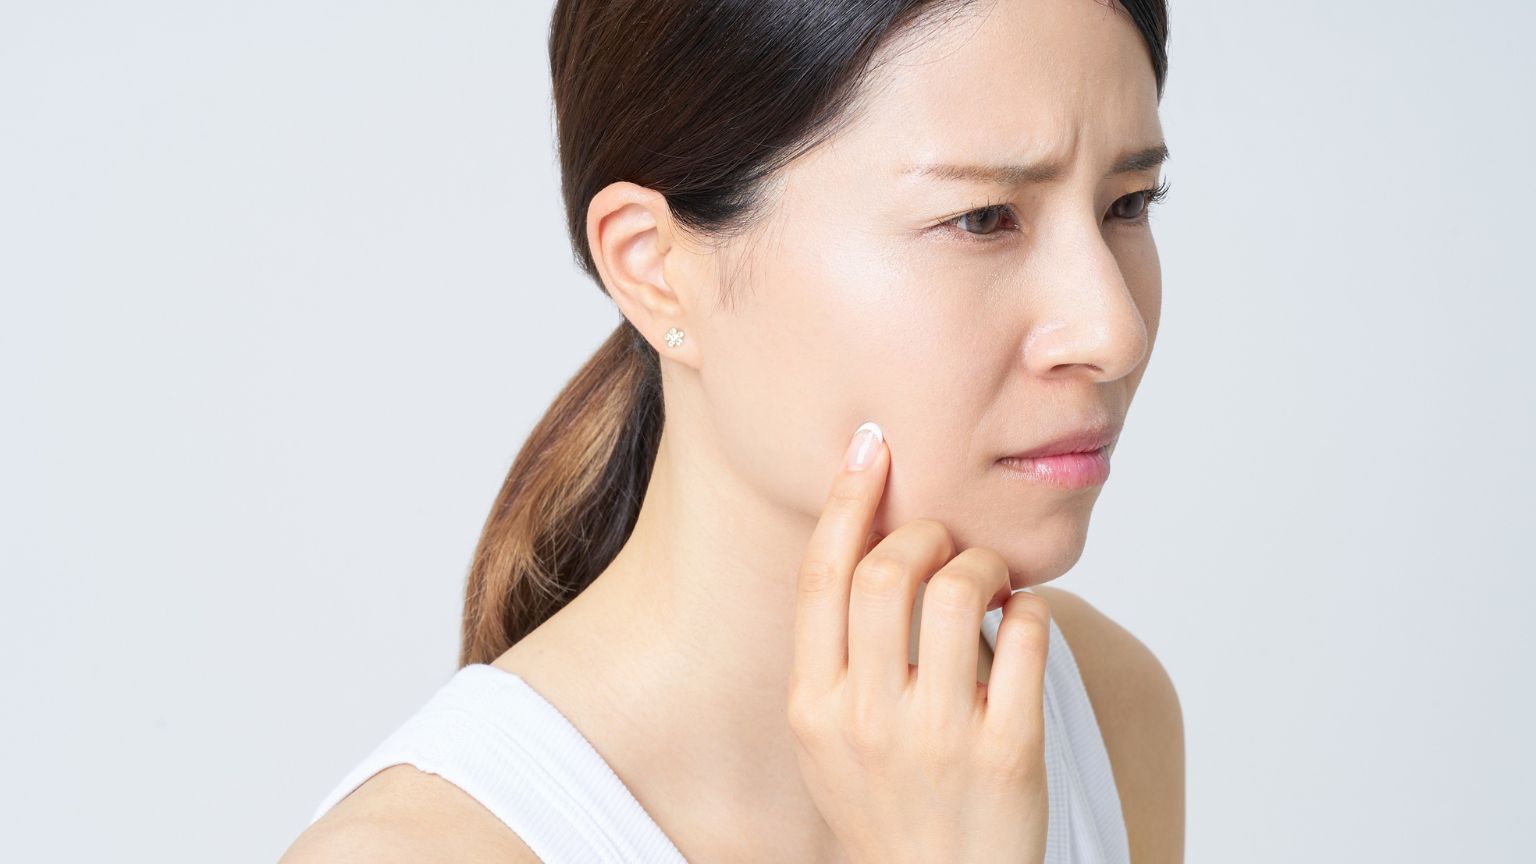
(1064, 470)
(1077, 460)
(1082, 440)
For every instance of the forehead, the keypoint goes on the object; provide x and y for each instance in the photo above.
(1033, 79)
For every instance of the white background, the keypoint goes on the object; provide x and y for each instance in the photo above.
(286, 284)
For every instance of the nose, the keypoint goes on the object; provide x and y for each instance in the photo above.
(1085, 320)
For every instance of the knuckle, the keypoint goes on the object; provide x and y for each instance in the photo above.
(933, 532)
(933, 722)
(1025, 635)
(846, 492)
(985, 560)
(818, 576)
(866, 727)
(880, 575)
(970, 579)
(954, 590)
(866, 741)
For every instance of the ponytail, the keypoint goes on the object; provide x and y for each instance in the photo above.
(570, 499)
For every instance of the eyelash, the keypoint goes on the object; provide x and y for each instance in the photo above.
(1154, 195)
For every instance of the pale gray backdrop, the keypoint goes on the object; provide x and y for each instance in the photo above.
(285, 285)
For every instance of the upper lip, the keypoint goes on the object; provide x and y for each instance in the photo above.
(1085, 438)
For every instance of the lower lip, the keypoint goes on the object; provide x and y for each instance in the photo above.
(1064, 471)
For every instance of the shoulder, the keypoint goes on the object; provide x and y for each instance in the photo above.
(1141, 721)
(401, 815)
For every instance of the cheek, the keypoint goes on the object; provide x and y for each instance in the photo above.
(784, 376)
(827, 340)
(1142, 270)
(1143, 275)
(912, 350)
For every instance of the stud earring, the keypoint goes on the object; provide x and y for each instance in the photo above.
(674, 337)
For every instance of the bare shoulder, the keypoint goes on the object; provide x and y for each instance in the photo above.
(401, 815)
(1140, 718)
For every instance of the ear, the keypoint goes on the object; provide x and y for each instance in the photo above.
(650, 274)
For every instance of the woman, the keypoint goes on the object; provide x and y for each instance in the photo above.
(678, 643)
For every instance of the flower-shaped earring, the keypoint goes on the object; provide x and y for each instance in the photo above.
(674, 337)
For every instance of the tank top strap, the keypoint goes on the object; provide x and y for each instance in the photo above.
(490, 733)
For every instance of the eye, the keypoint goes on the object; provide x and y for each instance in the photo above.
(1141, 201)
(983, 223)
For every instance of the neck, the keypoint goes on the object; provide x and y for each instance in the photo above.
(675, 661)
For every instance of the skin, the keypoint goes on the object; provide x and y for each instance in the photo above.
(850, 301)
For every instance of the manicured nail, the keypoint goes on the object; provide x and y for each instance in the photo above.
(861, 450)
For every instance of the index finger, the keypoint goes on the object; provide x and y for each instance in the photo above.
(837, 543)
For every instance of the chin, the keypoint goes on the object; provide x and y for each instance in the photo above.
(1042, 553)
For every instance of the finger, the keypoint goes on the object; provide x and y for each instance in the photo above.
(948, 646)
(1015, 686)
(880, 605)
(837, 543)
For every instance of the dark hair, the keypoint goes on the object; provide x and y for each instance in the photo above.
(765, 80)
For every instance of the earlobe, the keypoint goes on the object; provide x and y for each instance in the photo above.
(630, 233)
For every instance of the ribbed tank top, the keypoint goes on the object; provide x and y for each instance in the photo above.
(491, 734)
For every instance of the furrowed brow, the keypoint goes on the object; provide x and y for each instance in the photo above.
(1144, 159)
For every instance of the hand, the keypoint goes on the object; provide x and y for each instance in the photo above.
(916, 763)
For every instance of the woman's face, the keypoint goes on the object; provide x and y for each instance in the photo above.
(879, 287)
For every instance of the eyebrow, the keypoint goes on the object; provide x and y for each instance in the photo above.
(1144, 159)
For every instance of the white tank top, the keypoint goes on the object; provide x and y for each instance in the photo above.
(490, 733)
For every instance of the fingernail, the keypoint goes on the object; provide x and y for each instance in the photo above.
(861, 450)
